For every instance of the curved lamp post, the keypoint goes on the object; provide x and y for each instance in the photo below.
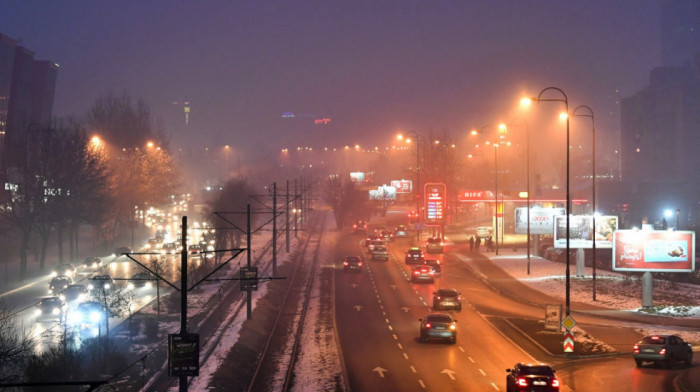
(565, 100)
(592, 117)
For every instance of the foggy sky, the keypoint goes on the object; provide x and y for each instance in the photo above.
(373, 67)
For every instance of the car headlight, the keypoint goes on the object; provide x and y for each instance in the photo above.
(69, 273)
(95, 317)
(130, 286)
(107, 286)
(50, 291)
(54, 274)
(90, 286)
(76, 318)
(62, 297)
(38, 312)
(56, 311)
(148, 285)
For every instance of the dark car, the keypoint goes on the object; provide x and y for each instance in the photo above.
(64, 270)
(92, 262)
(359, 226)
(170, 248)
(434, 245)
(437, 267)
(194, 249)
(447, 299)
(415, 256)
(400, 231)
(59, 284)
(423, 274)
(372, 237)
(74, 292)
(51, 307)
(531, 377)
(141, 279)
(102, 281)
(439, 326)
(87, 314)
(352, 263)
(663, 349)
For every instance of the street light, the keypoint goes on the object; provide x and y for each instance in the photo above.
(565, 100)
(527, 181)
(417, 138)
(592, 117)
(501, 129)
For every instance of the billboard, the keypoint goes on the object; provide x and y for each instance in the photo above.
(655, 251)
(541, 220)
(383, 193)
(402, 186)
(357, 176)
(581, 231)
(474, 195)
(435, 203)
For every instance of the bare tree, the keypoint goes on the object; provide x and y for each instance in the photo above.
(345, 199)
(16, 345)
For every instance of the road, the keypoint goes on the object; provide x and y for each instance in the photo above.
(377, 312)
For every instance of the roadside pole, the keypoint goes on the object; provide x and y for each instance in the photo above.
(183, 293)
(287, 218)
(249, 293)
(274, 229)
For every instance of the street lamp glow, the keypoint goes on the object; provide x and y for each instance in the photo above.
(150, 144)
(437, 142)
(96, 141)
(399, 136)
(668, 213)
(474, 132)
(563, 115)
(526, 102)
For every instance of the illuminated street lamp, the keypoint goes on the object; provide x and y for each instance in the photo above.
(409, 136)
(527, 181)
(592, 117)
(565, 100)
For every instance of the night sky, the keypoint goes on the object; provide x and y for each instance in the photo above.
(373, 67)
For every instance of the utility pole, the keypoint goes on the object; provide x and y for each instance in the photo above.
(183, 292)
(296, 209)
(249, 296)
(287, 217)
(274, 229)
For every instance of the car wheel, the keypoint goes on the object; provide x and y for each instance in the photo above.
(422, 338)
(639, 362)
(453, 340)
(688, 359)
(459, 308)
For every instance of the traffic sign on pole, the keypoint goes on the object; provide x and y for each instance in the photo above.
(568, 342)
(569, 323)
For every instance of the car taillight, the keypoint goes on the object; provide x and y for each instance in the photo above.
(354, 226)
(432, 272)
(442, 243)
(427, 325)
(459, 298)
(522, 382)
(359, 264)
(438, 297)
(662, 352)
(636, 349)
(345, 263)
(416, 272)
(555, 382)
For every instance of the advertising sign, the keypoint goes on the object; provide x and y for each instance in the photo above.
(471, 195)
(183, 354)
(552, 317)
(655, 251)
(383, 193)
(402, 186)
(249, 278)
(435, 206)
(541, 220)
(357, 176)
(581, 231)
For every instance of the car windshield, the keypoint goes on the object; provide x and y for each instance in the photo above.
(433, 240)
(439, 318)
(447, 293)
(654, 340)
(537, 370)
(352, 258)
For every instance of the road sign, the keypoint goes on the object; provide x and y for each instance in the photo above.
(568, 323)
(249, 278)
(568, 342)
(183, 354)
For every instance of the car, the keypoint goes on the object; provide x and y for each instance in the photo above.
(141, 279)
(439, 326)
(375, 243)
(92, 262)
(170, 248)
(359, 227)
(51, 307)
(64, 270)
(437, 267)
(352, 263)
(531, 377)
(423, 274)
(400, 231)
(74, 292)
(662, 349)
(414, 256)
(87, 314)
(104, 281)
(484, 232)
(205, 245)
(153, 243)
(434, 245)
(387, 236)
(447, 299)
(121, 250)
(372, 237)
(59, 284)
(380, 252)
(194, 249)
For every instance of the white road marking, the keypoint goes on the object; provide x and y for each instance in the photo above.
(450, 373)
(413, 369)
(460, 348)
(395, 337)
(483, 373)
(391, 329)
(387, 320)
(471, 360)
(405, 355)
(400, 346)
(422, 384)
(380, 371)
(425, 303)
(493, 384)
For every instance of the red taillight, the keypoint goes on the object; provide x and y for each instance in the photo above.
(432, 272)
(654, 338)
(662, 352)
(354, 226)
(555, 382)
(636, 349)
(459, 298)
(416, 272)
(427, 325)
(438, 297)
(345, 263)
(522, 382)
(359, 264)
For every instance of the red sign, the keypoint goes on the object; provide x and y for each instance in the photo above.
(655, 251)
(473, 195)
(435, 206)
(402, 186)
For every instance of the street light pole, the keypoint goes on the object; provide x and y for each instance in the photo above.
(565, 100)
(590, 114)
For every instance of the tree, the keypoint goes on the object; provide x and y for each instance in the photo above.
(16, 344)
(232, 202)
(345, 199)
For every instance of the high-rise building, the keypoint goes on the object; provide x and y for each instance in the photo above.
(7, 60)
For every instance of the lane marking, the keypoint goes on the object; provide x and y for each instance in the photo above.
(391, 329)
(413, 369)
(460, 348)
(493, 384)
(395, 337)
(482, 372)
(471, 360)
(405, 355)
(387, 320)
(400, 346)
(422, 384)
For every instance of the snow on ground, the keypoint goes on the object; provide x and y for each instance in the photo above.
(614, 290)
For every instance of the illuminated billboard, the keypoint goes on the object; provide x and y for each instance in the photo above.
(402, 186)
(581, 231)
(655, 251)
(435, 203)
(474, 195)
(383, 193)
(357, 176)
(541, 220)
